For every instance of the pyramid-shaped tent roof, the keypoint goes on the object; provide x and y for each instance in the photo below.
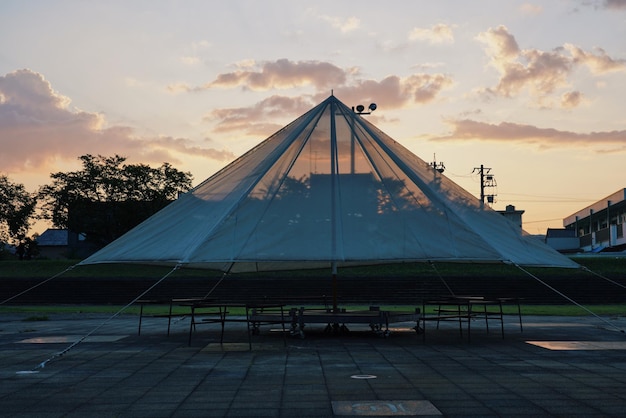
(329, 187)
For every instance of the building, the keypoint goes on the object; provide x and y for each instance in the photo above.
(600, 226)
(563, 240)
(513, 215)
(61, 243)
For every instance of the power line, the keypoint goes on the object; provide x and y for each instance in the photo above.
(469, 175)
(548, 198)
(552, 196)
(550, 201)
(544, 220)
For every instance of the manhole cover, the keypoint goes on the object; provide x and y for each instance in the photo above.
(363, 376)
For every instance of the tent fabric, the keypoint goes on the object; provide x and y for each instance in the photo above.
(329, 188)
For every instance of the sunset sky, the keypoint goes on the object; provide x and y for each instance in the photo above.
(533, 90)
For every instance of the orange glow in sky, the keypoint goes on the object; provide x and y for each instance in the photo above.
(533, 90)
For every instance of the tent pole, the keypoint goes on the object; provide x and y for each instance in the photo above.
(334, 278)
(333, 199)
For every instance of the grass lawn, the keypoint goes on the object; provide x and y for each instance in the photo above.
(608, 266)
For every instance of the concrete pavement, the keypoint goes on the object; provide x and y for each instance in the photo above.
(558, 366)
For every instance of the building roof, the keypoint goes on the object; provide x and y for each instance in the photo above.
(612, 200)
(53, 238)
(560, 233)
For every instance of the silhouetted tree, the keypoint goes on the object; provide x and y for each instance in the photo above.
(107, 197)
(17, 206)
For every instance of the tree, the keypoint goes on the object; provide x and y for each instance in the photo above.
(108, 197)
(17, 206)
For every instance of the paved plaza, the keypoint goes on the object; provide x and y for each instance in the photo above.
(558, 366)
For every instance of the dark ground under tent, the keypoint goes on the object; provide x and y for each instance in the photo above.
(583, 288)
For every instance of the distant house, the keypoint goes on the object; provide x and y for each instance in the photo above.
(563, 240)
(6, 250)
(61, 243)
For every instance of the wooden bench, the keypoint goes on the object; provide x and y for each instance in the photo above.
(377, 319)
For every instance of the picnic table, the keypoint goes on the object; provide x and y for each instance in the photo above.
(268, 311)
(464, 309)
(256, 314)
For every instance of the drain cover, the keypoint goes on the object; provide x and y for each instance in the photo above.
(384, 408)
(59, 339)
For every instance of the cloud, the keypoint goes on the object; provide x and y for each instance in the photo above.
(38, 128)
(599, 63)
(571, 99)
(183, 146)
(191, 55)
(343, 25)
(604, 4)
(541, 73)
(437, 34)
(179, 88)
(190, 60)
(280, 74)
(615, 4)
(531, 9)
(467, 129)
(392, 92)
(501, 46)
(253, 120)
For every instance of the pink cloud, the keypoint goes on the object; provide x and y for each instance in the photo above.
(391, 93)
(541, 73)
(467, 129)
(253, 120)
(394, 92)
(571, 99)
(615, 4)
(279, 74)
(598, 63)
(37, 128)
(436, 34)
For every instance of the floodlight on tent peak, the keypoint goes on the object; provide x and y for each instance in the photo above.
(360, 109)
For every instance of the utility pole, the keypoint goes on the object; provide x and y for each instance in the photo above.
(486, 180)
(437, 165)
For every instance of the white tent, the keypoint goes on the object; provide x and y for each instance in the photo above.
(329, 188)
